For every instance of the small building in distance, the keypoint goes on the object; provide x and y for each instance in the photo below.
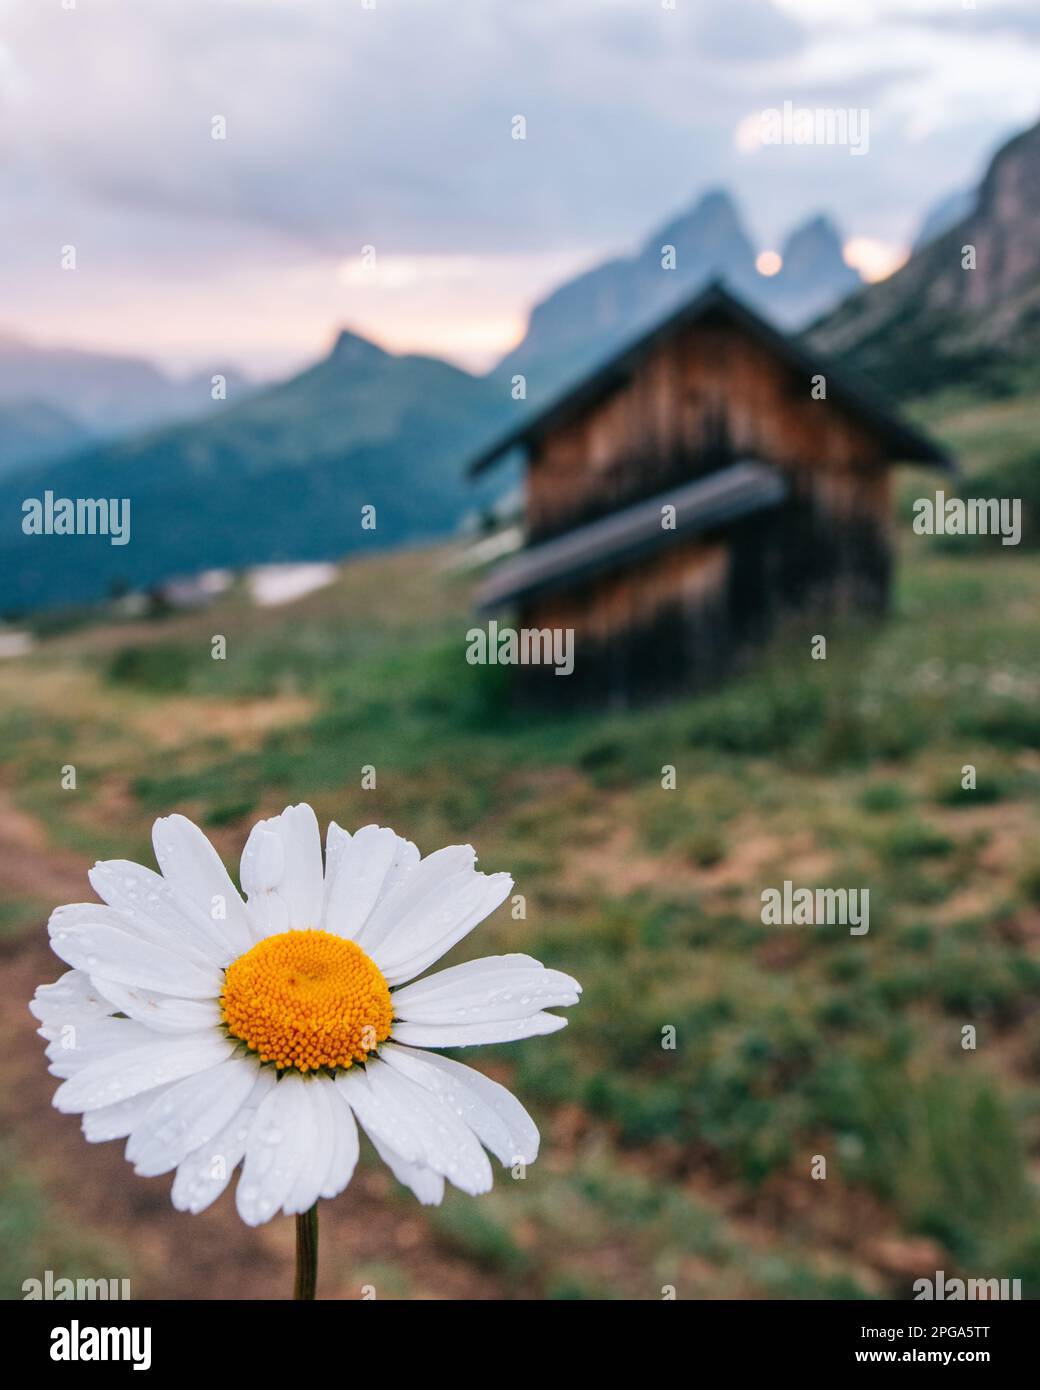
(705, 482)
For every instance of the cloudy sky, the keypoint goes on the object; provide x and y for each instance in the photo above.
(388, 124)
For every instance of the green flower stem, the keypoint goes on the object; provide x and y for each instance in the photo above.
(306, 1254)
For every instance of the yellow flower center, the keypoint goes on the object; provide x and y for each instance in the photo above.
(307, 999)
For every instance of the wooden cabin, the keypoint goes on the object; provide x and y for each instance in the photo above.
(705, 482)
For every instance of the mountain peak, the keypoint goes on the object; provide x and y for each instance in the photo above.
(934, 322)
(814, 245)
(712, 219)
(819, 227)
(352, 350)
(586, 317)
(814, 274)
(714, 201)
(1008, 192)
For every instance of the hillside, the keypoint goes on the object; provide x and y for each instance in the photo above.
(934, 325)
(33, 431)
(283, 475)
(686, 1166)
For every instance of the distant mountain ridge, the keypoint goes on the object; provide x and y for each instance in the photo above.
(935, 323)
(281, 476)
(943, 215)
(106, 395)
(587, 317)
(33, 431)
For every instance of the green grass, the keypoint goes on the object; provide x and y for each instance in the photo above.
(34, 1238)
(18, 915)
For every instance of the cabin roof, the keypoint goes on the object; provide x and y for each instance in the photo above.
(720, 498)
(903, 440)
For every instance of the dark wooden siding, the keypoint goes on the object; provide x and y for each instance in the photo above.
(682, 618)
(644, 630)
(698, 402)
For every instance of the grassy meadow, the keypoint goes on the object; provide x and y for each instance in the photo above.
(687, 1166)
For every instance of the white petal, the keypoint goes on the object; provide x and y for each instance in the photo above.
(420, 893)
(267, 914)
(189, 1114)
(116, 1121)
(276, 1150)
(405, 957)
(154, 909)
(406, 860)
(263, 860)
(163, 1013)
(282, 873)
(435, 1137)
(480, 991)
(135, 923)
(310, 1181)
(301, 886)
(116, 955)
(373, 856)
(131, 921)
(204, 1174)
(262, 871)
(72, 998)
(470, 1034)
(381, 1120)
(193, 866)
(427, 1185)
(492, 1112)
(345, 1147)
(73, 1046)
(336, 841)
(127, 1074)
(433, 922)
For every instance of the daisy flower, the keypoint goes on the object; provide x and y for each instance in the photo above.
(211, 1031)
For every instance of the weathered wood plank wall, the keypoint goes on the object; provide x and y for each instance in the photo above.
(701, 400)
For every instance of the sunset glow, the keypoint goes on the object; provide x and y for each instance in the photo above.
(875, 260)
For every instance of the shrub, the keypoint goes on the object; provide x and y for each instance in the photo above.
(914, 839)
(159, 667)
(880, 798)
